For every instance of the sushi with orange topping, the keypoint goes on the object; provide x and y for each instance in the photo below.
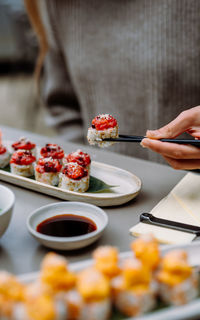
(4, 156)
(178, 280)
(146, 249)
(47, 171)
(11, 294)
(74, 177)
(91, 299)
(39, 304)
(52, 150)
(24, 144)
(106, 260)
(80, 157)
(132, 291)
(22, 163)
(103, 126)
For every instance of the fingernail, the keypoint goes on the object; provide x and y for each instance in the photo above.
(144, 143)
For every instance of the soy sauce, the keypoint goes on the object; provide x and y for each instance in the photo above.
(66, 225)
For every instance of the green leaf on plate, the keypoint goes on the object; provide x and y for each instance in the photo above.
(97, 185)
(7, 168)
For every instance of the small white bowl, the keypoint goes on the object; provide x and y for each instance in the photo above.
(7, 200)
(77, 208)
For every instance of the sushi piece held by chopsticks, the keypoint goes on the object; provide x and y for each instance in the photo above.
(103, 126)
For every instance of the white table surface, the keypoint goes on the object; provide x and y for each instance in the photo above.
(20, 253)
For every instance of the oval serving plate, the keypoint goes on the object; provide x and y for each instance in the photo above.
(126, 186)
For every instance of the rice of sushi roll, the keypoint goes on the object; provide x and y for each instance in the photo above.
(80, 157)
(91, 300)
(146, 249)
(52, 150)
(21, 163)
(132, 291)
(103, 126)
(178, 280)
(24, 144)
(74, 178)
(4, 156)
(47, 171)
(106, 261)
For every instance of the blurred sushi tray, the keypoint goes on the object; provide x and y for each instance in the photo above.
(64, 177)
(147, 283)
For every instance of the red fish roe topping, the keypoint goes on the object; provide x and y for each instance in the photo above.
(2, 149)
(22, 158)
(74, 171)
(104, 121)
(23, 144)
(52, 150)
(48, 165)
(83, 159)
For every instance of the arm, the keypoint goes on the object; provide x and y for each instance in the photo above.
(178, 156)
(56, 91)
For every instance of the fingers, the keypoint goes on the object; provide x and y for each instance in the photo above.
(172, 150)
(183, 164)
(182, 123)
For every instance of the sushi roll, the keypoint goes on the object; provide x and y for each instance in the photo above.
(178, 281)
(21, 163)
(132, 291)
(39, 304)
(47, 171)
(106, 261)
(24, 144)
(91, 300)
(11, 294)
(74, 178)
(103, 126)
(55, 274)
(4, 156)
(80, 157)
(52, 150)
(146, 249)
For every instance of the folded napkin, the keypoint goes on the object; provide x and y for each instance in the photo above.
(182, 204)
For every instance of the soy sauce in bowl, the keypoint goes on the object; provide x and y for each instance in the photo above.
(66, 225)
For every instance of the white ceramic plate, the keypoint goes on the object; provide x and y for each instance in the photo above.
(187, 312)
(127, 186)
(87, 210)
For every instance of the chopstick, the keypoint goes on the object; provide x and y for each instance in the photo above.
(150, 219)
(127, 138)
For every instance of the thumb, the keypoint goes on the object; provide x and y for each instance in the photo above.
(182, 123)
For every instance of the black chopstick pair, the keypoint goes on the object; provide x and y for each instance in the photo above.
(127, 138)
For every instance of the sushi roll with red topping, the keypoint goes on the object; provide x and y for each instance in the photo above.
(80, 157)
(24, 144)
(74, 178)
(4, 156)
(103, 126)
(52, 150)
(47, 171)
(21, 163)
